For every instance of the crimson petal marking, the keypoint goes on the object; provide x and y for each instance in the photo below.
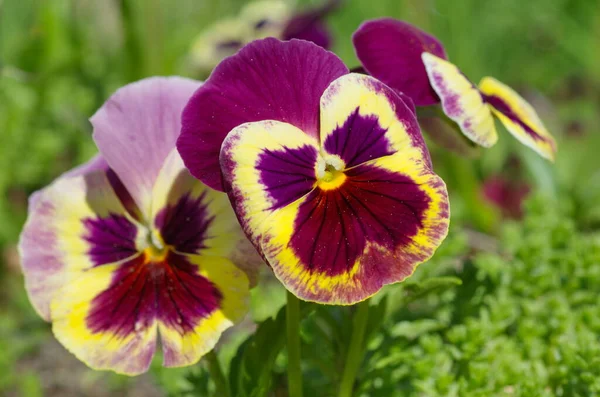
(110, 315)
(142, 291)
(386, 218)
(373, 206)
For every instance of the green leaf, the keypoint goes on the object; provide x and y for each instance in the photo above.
(414, 291)
(250, 373)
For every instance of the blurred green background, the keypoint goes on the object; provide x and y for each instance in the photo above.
(60, 60)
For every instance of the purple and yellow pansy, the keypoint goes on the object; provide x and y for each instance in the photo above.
(326, 170)
(258, 20)
(130, 246)
(386, 47)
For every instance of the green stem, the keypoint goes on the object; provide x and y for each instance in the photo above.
(133, 46)
(356, 349)
(293, 346)
(217, 375)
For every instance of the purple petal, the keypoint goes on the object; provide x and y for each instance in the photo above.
(306, 27)
(267, 80)
(136, 129)
(390, 50)
(309, 25)
(506, 194)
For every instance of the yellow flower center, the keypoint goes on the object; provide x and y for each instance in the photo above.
(156, 250)
(330, 176)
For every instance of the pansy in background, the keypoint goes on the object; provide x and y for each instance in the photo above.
(414, 62)
(327, 170)
(130, 246)
(258, 20)
(506, 194)
(508, 190)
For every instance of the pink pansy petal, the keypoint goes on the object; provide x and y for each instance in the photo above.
(266, 80)
(96, 163)
(136, 129)
(390, 50)
(74, 224)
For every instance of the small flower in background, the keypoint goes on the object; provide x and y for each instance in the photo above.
(508, 190)
(390, 50)
(414, 62)
(327, 170)
(258, 20)
(130, 246)
(506, 194)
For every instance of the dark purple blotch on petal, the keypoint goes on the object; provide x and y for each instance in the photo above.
(500, 105)
(184, 224)
(111, 238)
(358, 140)
(333, 227)
(390, 50)
(287, 174)
(143, 291)
(123, 194)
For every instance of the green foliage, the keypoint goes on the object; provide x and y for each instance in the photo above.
(250, 373)
(523, 323)
(517, 320)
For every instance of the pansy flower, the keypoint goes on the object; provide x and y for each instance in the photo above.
(414, 62)
(507, 190)
(506, 194)
(258, 20)
(327, 170)
(130, 246)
